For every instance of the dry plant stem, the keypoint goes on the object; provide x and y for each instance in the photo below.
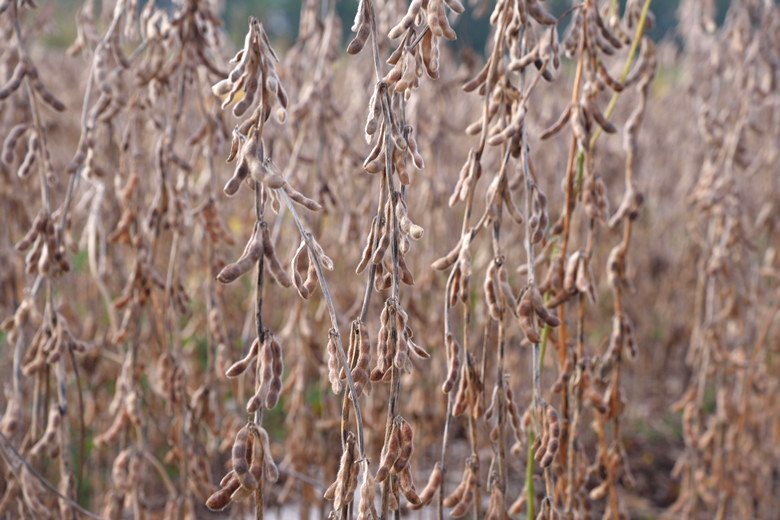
(473, 403)
(73, 180)
(448, 419)
(6, 443)
(375, 42)
(34, 111)
(502, 412)
(334, 324)
(260, 332)
(49, 313)
(395, 376)
(568, 209)
(538, 353)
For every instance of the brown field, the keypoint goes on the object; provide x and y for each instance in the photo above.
(539, 279)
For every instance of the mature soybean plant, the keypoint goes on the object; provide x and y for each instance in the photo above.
(537, 279)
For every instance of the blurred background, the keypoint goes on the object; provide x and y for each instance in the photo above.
(280, 19)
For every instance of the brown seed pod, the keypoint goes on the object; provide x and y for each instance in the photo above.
(12, 418)
(491, 290)
(462, 507)
(333, 365)
(271, 471)
(519, 505)
(299, 198)
(252, 253)
(392, 497)
(264, 375)
(406, 21)
(119, 471)
(240, 366)
(296, 266)
(454, 363)
(222, 497)
(525, 313)
(48, 441)
(406, 483)
(311, 280)
(553, 434)
(458, 493)
(496, 509)
(10, 141)
(361, 371)
(367, 250)
(25, 168)
(46, 95)
(434, 483)
(274, 265)
(407, 446)
(277, 367)
(391, 452)
(239, 459)
(347, 474)
(362, 27)
(538, 303)
(15, 80)
(462, 396)
(112, 433)
(448, 260)
(366, 510)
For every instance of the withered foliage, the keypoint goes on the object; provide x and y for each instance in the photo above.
(367, 278)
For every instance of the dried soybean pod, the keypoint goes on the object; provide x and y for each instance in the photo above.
(333, 364)
(10, 141)
(37, 227)
(258, 455)
(367, 250)
(457, 494)
(384, 239)
(252, 253)
(342, 494)
(48, 442)
(47, 96)
(391, 452)
(360, 374)
(452, 376)
(406, 483)
(276, 380)
(541, 310)
(15, 81)
(330, 492)
(450, 258)
(491, 290)
(239, 459)
(311, 281)
(366, 510)
(558, 125)
(525, 312)
(240, 366)
(406, 434)
(467, 498)
(221, 498)
(271, 470)
(275, 266)
(298, 197)
(495, 510)
(362, 27)
(434, 482)
(25, 168)
(296, 265)
(461, 397)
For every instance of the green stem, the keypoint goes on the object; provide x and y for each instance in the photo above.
(632, 51)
